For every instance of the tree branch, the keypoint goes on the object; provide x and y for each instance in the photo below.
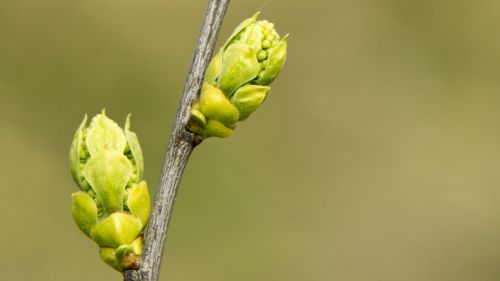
(182, 143)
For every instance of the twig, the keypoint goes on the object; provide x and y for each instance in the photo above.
(181, 145)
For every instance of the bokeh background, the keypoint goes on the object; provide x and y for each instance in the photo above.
(376, 157)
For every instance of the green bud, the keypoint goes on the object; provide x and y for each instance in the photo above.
(237, 78)
(124, 257)
(114, 206)
(134, 248)
(274, 63)
(262, 37)
(108, 255)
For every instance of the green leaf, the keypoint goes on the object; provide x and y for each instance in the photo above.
(135, 148)
(139, 202)
(252, 37)
(76, 152)
(108, 174)
(239, 66)
(248, 98)
(104, 134)
(217, 129)
(199, 119)
(241, 27)
(117, 229)
(213, 69)
(215, 105)
(84, 211)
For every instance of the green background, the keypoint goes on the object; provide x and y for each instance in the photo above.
(376, 156)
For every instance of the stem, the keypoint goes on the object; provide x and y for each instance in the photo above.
(182, 143)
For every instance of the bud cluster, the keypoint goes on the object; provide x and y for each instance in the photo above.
(113, 205)
(238, 78)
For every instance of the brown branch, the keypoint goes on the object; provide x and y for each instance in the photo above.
(181, 145)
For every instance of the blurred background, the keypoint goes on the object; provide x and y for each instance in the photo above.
(376, 157)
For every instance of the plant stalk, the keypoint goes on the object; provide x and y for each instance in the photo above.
(181, 144)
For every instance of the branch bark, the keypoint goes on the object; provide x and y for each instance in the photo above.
(181, 144)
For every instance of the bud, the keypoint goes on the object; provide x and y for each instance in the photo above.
(237, 78)
(268, 50)
(114, 205)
